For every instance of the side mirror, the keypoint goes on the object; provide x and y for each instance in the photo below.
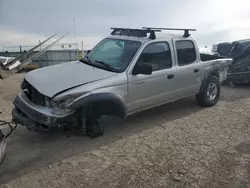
(88, 51)
(143, 68)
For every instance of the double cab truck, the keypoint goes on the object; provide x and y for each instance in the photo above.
(127, 72)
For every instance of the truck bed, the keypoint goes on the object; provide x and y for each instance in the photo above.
(219, 62)
(208, 57)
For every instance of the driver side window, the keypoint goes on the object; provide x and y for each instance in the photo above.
(158, 55)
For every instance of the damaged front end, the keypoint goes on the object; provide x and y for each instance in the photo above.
(34, 110)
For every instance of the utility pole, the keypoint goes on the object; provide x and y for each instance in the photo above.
(40, 46)
(82, 50)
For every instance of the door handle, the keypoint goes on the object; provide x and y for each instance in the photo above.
(137, 83)
(171, 76)
(196, 70)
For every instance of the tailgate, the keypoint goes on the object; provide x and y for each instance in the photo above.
(224, 63)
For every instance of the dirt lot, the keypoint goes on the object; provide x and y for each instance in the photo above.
(176, 145)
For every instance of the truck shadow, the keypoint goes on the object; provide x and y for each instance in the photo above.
(150, 118)
(28, 151)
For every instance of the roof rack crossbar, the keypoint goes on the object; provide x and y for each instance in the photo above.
(147, 30)
(186, 31)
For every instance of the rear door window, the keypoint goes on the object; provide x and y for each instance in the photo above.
(186, 53)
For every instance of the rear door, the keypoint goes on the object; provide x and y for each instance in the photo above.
(188, 75)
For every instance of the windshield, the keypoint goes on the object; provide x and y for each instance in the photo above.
(114, 53)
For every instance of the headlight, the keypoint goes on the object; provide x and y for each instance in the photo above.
(58, 104)
(60, 107)
(62, 104)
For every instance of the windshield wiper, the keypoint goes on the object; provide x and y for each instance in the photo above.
(110, 67)
(89, 62)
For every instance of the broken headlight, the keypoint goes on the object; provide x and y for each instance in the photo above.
(60, 107)
(62, 104)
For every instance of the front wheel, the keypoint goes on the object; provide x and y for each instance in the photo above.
(210, 94)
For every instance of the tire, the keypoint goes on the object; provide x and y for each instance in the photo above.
(210, 94)
(3, 145)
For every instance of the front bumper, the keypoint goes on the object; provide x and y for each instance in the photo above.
(37, 117)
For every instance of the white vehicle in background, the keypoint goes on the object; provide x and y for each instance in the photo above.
(206, 50)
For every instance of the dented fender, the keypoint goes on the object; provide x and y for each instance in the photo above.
(110, 99)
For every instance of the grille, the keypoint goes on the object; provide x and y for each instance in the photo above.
(34, 95)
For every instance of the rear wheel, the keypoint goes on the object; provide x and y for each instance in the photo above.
(210, 94)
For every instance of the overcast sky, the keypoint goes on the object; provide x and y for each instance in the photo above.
(25, 22)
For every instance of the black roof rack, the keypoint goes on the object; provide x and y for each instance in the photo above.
(135, 32)
(186, 31)
(145, 30)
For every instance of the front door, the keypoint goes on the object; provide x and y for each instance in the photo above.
(145, 91)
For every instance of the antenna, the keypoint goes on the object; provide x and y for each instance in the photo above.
(74, 29)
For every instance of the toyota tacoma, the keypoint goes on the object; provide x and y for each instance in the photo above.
(127, 72)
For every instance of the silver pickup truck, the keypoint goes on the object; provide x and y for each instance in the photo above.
(129, 71)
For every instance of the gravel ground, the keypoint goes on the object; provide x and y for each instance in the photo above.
(176, 145)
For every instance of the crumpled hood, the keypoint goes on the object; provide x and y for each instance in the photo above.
(53, 79)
